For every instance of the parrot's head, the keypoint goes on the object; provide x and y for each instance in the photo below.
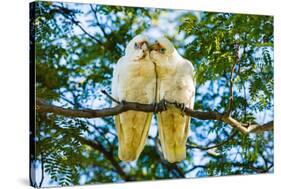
(161, 49)
(137, 48)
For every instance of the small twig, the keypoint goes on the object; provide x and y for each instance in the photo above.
(65, 12)
(94, 10)
(87, 33)
(195, 167)
(250, 167)
(230, 103)
(231, 97)
(214, 146)
(108, 155)
(268, 169)
(109, 96)
(101, 134)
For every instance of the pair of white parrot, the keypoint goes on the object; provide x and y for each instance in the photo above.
(149, 73)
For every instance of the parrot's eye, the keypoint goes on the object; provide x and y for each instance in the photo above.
(136, 46)
(162, 50)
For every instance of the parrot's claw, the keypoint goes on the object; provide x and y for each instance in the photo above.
(122, 102)
(163, 104)
(181, 106)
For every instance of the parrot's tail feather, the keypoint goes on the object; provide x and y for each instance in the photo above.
(131, 143)
(172, 140)
(175, 153)
(127, 155)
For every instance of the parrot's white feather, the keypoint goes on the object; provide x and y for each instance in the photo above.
(175, 82)
(133, 80)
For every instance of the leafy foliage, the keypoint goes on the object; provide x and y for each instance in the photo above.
(77, 46)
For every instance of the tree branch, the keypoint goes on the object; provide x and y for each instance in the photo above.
(268, 169)
(110, 97)
(108, 155)
(101, 27)
(174, 167)
(43, 106)
(251, 167)
(231, 97)
(195, 167)
(216, 145)
(67, 14)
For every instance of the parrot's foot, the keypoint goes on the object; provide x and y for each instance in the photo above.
(181, 106)
(162, 105)
(122, 102)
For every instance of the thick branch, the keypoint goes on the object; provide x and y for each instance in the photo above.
(42, 106)
(124, 106)
(248, 128)
(257, 128)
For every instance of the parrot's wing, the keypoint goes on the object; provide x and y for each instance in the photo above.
(132, 126)
(173, 132)
(132, 130)
(173, 126)
(115, 81)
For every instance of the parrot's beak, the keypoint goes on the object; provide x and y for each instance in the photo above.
(146, 43)
(145, 48)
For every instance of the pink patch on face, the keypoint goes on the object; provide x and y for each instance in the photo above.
(140, 44)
